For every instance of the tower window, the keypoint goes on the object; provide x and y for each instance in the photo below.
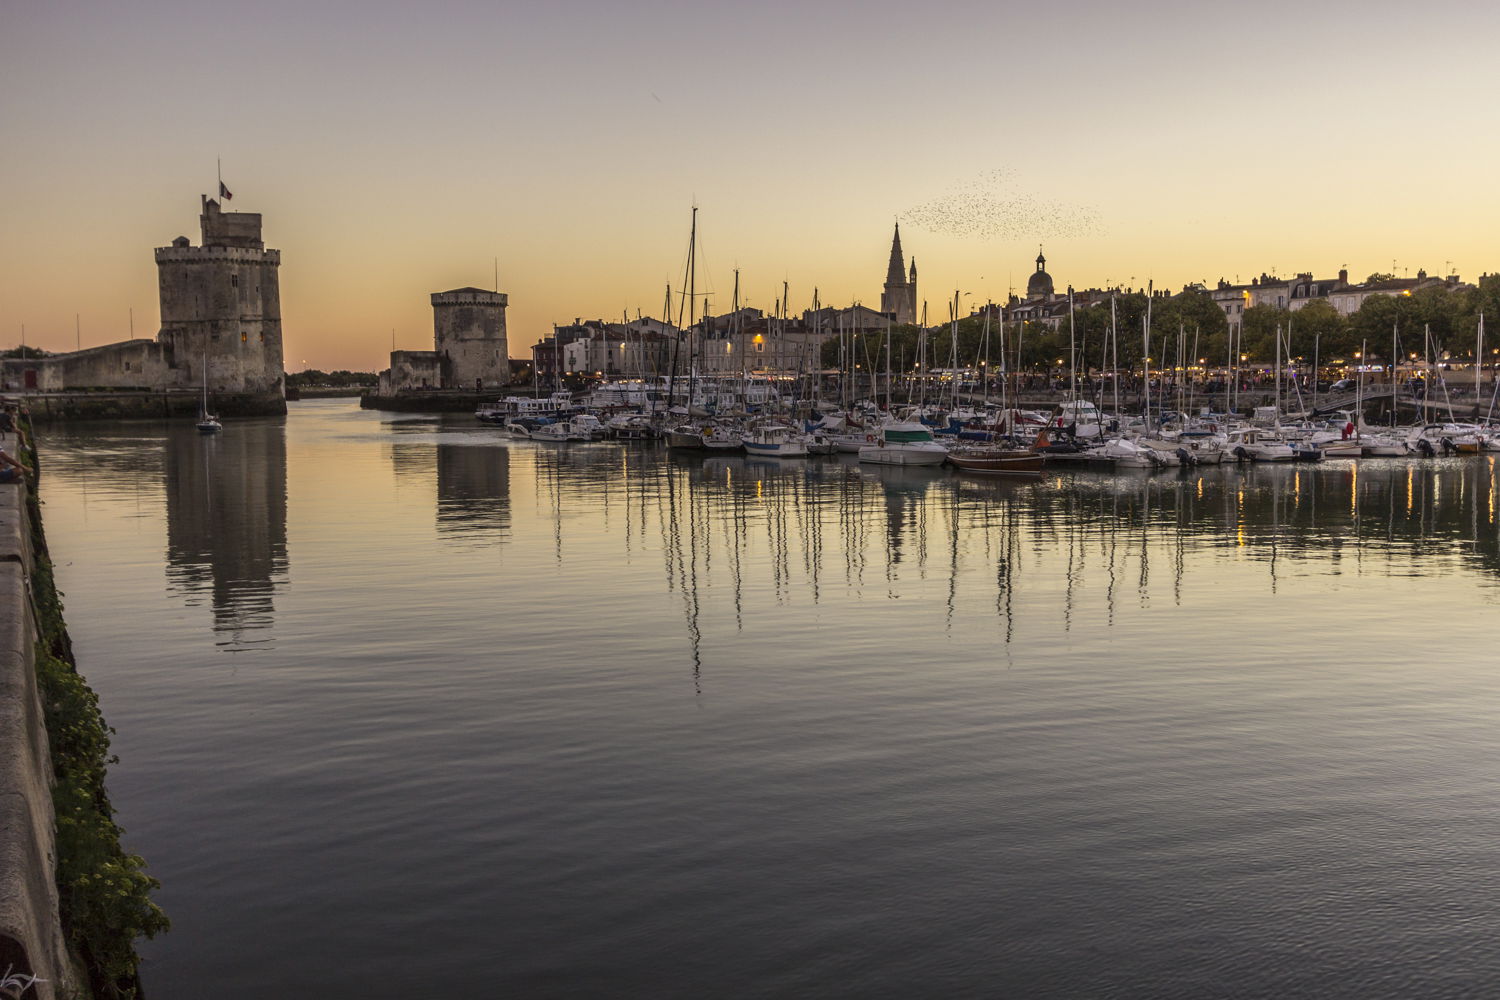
(244, 336)
(234, 280)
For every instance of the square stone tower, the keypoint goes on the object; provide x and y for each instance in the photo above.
(221, 302)
(469, 335)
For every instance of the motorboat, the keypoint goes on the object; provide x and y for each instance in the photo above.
(1128, 454)
(630, 427)
(1257, 444)
(906, 443)
(776, 441)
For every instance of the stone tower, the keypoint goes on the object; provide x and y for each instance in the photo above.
(900, 295)
(469, 336)
(222, 302)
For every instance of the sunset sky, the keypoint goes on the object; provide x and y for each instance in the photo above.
(398, 149)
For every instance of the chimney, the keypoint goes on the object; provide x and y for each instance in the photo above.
(1343, 276)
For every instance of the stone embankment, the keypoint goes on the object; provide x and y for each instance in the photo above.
(53, 406)
(31, 936)
(431, 401)
(72, 901)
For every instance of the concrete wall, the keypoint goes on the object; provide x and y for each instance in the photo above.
(31, 938)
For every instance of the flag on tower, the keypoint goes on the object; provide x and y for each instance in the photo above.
(224, 192)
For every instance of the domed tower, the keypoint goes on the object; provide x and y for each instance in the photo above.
(221, 306)
(1040, 285)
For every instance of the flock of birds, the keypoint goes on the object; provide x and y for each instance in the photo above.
(993, 206)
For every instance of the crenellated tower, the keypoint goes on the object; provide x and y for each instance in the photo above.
(221, 304)
(468, 332)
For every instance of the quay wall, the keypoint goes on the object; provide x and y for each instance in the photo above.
(64, 406)
(435, 401)
(32, 941)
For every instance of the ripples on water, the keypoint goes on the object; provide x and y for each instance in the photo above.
(406, 707)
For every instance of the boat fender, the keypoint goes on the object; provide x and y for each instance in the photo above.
(1240, 453)
(1184, 457)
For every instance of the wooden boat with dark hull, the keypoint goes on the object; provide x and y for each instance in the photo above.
(998, 461)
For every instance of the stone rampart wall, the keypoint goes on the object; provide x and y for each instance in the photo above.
(31, 936)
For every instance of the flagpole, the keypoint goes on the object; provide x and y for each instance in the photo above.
(219, 161)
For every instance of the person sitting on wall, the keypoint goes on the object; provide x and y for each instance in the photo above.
(10, 423)
(11, 471)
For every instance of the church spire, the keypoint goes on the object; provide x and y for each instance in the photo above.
(895, 274)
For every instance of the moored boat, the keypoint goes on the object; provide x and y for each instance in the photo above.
(904, 444)
(777, 441)
(998, 461)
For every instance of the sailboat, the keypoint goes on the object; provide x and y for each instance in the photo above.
(207, 422)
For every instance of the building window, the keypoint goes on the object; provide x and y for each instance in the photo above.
(234, 281)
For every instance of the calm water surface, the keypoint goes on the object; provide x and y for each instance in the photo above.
(408, 709)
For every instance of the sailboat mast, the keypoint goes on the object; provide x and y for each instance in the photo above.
(1278, 373)
(1146, 365)
(1146, 352)
(1114, 352)
(1072, 353)
(692, 304)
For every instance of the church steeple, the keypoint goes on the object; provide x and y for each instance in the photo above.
(895, 274)
(1041, 262)
(900, 295)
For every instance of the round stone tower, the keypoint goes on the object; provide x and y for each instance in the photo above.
(468, 326)
(221, 303)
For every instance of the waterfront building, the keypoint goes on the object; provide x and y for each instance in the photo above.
(220, 319)
(1348, 299)
(641, 347)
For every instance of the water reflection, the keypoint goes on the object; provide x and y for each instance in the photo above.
(1073, 543)
(226, 525)
(468, 474)
(473, 492)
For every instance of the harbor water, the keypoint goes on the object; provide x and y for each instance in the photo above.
(408, 708)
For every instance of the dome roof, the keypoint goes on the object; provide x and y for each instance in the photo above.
(1040, 283)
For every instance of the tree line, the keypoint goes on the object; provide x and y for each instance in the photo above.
(1191, 326)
